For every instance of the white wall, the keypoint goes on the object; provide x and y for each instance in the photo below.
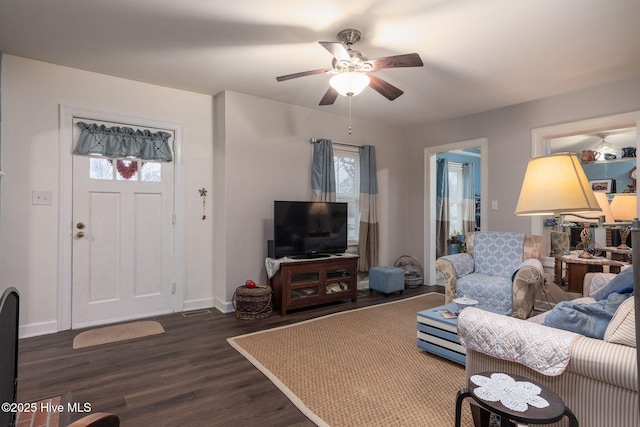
(257, 151)
(509, 138)
(267, 157)
(32, 92)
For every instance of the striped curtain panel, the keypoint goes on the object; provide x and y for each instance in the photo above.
(323, 175)
(369, 235)
(469, 199)
(442, 207)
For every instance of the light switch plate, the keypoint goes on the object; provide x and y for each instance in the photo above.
(41, 197)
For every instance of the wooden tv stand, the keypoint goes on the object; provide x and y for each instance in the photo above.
(305, 283)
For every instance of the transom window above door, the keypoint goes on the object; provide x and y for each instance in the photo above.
(122, 153)
(124, 170)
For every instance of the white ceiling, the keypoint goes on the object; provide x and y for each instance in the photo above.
(478, 55)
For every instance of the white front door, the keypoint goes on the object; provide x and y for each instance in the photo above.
(123, 241)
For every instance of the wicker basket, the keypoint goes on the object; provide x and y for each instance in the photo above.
(413, 273)
(252, 303)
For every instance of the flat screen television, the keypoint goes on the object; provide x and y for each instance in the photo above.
(309, 229)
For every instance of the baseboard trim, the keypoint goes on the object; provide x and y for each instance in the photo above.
(225, 307)
(37, 329)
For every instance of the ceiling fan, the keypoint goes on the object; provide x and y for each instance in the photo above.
(352, 69)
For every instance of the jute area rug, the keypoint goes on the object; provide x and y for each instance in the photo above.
(110, 334)
(360, 368)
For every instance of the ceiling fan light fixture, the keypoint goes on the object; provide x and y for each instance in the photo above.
(604, 147)
(349, 83)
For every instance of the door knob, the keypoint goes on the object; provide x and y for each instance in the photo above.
(80, 226)
(80, 234)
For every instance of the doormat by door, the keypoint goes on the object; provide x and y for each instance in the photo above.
(111, 334)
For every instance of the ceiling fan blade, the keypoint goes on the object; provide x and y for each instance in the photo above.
(329, 97)
(384, 88)
(406, 60)
(337, 49)
(302, 74)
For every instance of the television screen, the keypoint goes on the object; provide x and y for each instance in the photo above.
(309, 228)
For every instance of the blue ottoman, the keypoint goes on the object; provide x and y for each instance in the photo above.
(386, 280)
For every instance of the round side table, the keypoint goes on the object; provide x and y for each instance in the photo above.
(532, 415)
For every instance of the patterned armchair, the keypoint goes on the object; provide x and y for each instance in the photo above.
(500, 270)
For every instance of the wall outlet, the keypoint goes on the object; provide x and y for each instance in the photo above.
(494, 205)
(41, 197)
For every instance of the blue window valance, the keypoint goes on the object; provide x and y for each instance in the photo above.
(123, 142)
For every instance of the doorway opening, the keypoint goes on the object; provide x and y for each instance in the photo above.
(475, 150)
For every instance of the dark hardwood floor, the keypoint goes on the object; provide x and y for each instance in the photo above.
(188, 376)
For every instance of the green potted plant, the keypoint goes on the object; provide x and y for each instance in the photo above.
(455, 235)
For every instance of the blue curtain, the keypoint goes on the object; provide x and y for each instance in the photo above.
(442, 207)
(369, 234)
(323, 175)
(122, 142)
(469, 199)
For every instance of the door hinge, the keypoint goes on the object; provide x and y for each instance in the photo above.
(173, 288)
(173, 218)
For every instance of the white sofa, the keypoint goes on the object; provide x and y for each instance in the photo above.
(596, 379)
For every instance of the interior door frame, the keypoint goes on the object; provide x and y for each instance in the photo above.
(65, 261)
(430, 153)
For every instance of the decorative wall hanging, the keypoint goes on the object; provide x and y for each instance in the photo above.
(203, 194)
(127, 171)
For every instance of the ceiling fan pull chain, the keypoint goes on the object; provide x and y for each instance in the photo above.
(350, 96)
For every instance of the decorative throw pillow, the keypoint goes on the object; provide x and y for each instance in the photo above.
(468, 240)
(559, 243)
(621, 284)
(532, 246)
(622, 327)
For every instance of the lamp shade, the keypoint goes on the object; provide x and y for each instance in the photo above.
(605, 211)
(624, 207)
(349, 83)
(555, 184)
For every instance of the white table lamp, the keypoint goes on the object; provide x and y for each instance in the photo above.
(554, 185)
(624, 209)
